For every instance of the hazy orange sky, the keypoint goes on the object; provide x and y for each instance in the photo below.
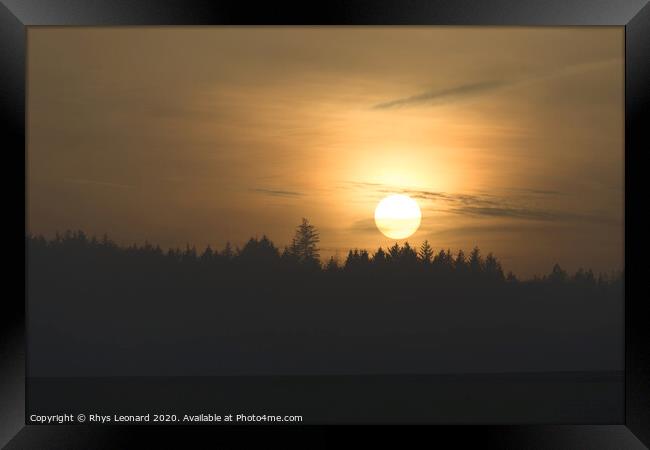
(511, 139)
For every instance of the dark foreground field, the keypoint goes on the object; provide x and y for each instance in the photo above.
(98, 310)
(571, 397)
(437, 339)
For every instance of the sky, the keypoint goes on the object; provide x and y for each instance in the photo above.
(509, 138)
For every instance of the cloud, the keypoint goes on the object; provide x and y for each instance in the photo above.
(492, 228)
(512, 212)
(443, 96)
(278, 193)
(514, 206)
(364, 225)
(487, 205)
(470, 90)
(535, 191)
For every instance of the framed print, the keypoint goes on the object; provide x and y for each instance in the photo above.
(289, 219)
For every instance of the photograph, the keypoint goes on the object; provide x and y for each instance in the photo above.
(437, 204)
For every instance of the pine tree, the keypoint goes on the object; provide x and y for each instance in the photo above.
(493, 268)
(304, 245)
(351, 260)
(259, 251)
(379, 258)
(475, 261)
(426, 253)
(332, 265)
(189, 254)
(208, 254)
(394, 253)
(460, 263)
(364, 258)
(227, 252)
(408, 254)
(558, 274)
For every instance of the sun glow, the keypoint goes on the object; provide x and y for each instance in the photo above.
(398, 216)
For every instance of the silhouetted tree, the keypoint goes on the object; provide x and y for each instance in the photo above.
(426, 253)
(106, 242)
(288, 258)
(408, 255)
(260, 251)
(475, 262)
(460, 263)
(443, 261)
(394, 253)
(189, 255)
(332, 265)
(364, 258)
(174, 254)
(379, 259)
(584, 276)
(357, 260)
(493, 268)
(304, 245)
(350, 261)
(227, 253)
(557, 275)
(208, 254)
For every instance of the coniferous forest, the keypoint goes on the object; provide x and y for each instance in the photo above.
(260, 309)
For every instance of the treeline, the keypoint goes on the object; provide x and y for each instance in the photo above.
(101, 309)
(301, 256)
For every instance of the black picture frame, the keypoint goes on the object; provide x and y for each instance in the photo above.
(634, 15)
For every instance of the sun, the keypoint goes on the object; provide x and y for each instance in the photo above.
(398, 216)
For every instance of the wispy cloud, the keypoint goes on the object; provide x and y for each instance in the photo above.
(489, 205)
(535, 191)
(277, 192)
(515, 206)
(443, 96)
(489, 228)
(363, 225)
(471, 90)
(512, 212)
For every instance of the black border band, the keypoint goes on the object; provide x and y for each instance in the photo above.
(15, 15)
